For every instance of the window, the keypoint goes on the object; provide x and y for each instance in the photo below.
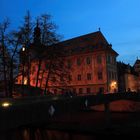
(109, 75)
(80, 90)
(53, 79)
(88, 76)
(108, 58)
(78, 61)
(100, 76)
(115, 76)
(69, 64)
(112, 75)
(99, 59)
(114, 60)
(70, 77)
(79, 77)
(47, 66)
(88, 60)
(74, 90)
(88, 90)
(101, 90)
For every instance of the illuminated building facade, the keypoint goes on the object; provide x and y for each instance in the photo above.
(137, 69)
(92, 66)
(128, 78)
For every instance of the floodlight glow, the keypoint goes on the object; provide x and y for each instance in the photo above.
(6, 104)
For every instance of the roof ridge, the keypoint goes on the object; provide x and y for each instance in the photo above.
(80, 36)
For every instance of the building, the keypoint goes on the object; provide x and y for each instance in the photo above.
(137, 69)
(91, 62)
(128, 78)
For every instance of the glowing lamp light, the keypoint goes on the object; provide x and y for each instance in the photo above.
(23, 49)
(6, 104)
(25, 81)
(113, 84)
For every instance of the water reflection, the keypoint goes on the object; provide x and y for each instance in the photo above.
(55, 135)
(87, 120)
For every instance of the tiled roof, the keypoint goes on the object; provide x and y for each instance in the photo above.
(88, 42)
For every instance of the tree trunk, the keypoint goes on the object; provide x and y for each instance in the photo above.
(11, 82)
(42, 76)
(38, 72)
(23, 75)
(4, 67)
(48, 76)
(29, 67)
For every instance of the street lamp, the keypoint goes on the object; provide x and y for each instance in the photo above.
(23, 48)
(113, 86)
(6, 104)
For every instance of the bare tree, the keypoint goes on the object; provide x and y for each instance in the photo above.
(4, 54)
(14, 41)
(44, 36)
(26, 34)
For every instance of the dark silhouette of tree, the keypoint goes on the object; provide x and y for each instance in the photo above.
(14, 41)
(38, 38)
(4, 53)
(26, 33)
(9, 48)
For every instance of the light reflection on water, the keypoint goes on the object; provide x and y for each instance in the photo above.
(55, 135)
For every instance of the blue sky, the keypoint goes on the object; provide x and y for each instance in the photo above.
(119, 20)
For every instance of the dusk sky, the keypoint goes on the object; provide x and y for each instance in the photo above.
(119, 20)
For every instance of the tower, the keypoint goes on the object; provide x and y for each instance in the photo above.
(37, 34)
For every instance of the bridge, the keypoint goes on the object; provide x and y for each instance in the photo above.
(45, 111)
